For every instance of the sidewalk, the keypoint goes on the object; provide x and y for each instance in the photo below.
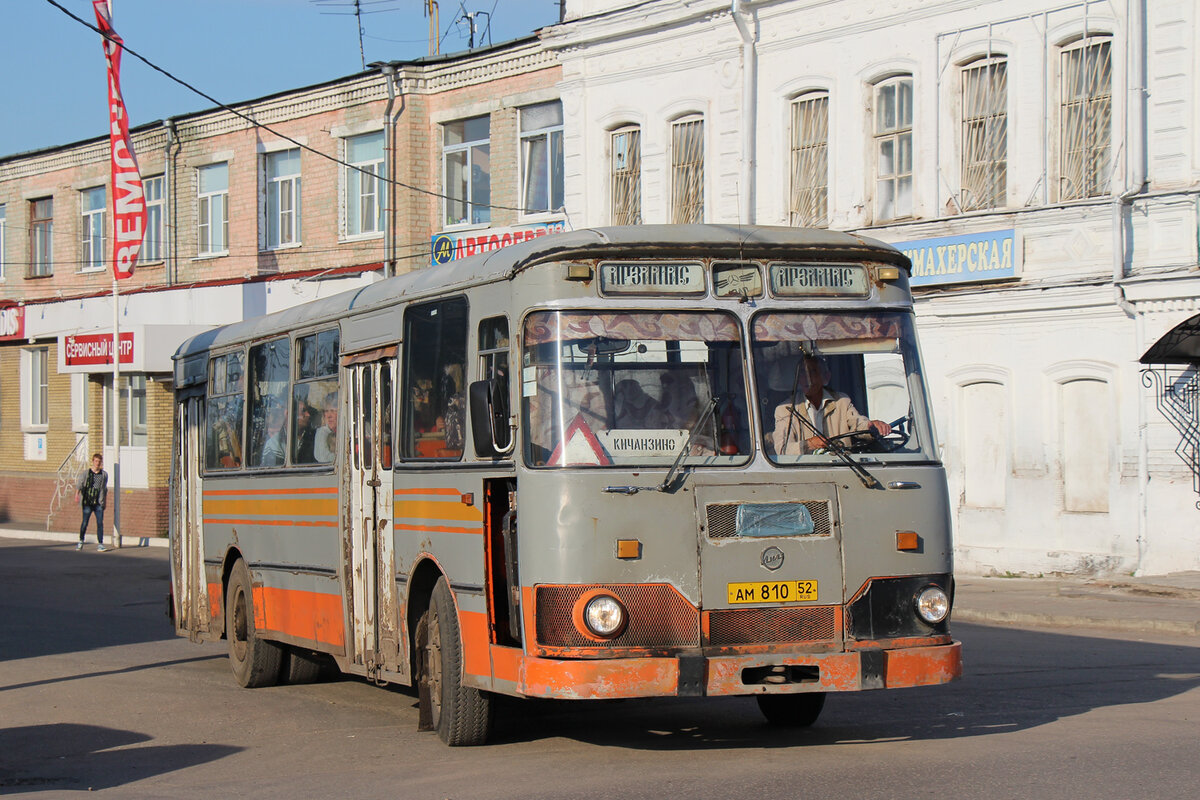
(1161, 603)
(9, 530)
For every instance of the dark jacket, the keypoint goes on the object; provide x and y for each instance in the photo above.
(102, 477)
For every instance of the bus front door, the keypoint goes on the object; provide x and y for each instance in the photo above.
(189, 586)
(372, 598)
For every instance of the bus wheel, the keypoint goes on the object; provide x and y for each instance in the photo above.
(302, 666)
(255, 661)
(791, 710)
(461, 715)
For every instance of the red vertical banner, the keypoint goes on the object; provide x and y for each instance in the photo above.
(129, 203)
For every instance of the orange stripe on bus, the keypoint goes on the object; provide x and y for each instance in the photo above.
(476, 655)
(434, 509)
(306, 615)
(254, 492)
(436, 528)
(300, 523)
(446, 492)
(287, 507)
(506, 663)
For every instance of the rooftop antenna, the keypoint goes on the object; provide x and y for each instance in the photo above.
(356, 8)
(431, 11)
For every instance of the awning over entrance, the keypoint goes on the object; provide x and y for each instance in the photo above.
(1180, 345)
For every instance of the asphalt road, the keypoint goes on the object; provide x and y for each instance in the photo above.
(96, 693)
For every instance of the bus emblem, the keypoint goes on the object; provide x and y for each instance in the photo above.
(772, 558)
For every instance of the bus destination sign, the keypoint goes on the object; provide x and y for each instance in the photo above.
(652, 277)
(817, 280)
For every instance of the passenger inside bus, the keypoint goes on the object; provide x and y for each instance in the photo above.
(325, 442)
(305, 433)
(632, 406)
(275, 448)
(826, 412)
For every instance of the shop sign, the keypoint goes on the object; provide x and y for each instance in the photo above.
(95, 348)
(12, 323)
(963, 259)
(449, 247)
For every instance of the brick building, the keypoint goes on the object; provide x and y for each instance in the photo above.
(251, 209)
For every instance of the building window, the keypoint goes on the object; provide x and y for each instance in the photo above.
(364, 184)
(41, 237)
(79, 402)
(153, 248)
(212, 183)
(36, 387)
(542, 158)
(283, 198)
(627, 176)
(893, 148)
(687, 171)
(809, 203)
(984, 134)
(131, 413)
(1086, 120)
(91, 206)
(3, 237)
(467, 171)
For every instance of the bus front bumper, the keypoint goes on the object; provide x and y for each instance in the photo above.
(715, 676)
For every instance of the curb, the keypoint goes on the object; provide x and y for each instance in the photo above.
(72, 538)
(1059, 621)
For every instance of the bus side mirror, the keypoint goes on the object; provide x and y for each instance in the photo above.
(490, 430)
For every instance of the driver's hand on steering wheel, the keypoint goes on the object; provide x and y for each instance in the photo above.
(815, 443)
(880, 427)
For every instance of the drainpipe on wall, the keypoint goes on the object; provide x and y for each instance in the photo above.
(746, 193)
(390, 77)
(169, 150)
(1135, 14)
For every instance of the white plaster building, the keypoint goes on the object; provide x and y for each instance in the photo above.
(1039, 161)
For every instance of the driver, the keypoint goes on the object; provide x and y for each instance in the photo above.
(830, 412)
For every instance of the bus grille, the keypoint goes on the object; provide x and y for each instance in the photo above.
(722, 519)
(658, 617)
(772, 625)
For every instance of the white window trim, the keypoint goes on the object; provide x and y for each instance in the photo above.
(79, 402)
(687, 119)
(808, 96)
(344, 188)
(162, 226)
(467, 147)
(87, 219)
(293, 182)
(27, 423)
(895, 135)
(3, 239)
(548, 132)
(1059, 170)
(33, 261)
(612, 133)
(201, 198)
(963, 199)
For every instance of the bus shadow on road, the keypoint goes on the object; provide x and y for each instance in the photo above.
(65, 756)
(1013, 680)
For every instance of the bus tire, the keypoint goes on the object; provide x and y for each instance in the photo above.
(791, 710)
(461, 715)
(302, 666)
(256, 662)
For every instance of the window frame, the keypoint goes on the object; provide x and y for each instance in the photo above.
(687, 171)
(35, 389)
(132, 407)
(551, 183)
(898, 135)
(625, 183)
(205, 203)
(93, 231)
(282, 204)
(354, 175)
(3, 238)
(477, 213)
(41, 237)
(993, 119)
(154, 245)
(1097, 177)
(807, 158)
(454, 338)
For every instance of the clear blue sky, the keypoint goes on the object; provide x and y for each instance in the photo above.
(53, 91)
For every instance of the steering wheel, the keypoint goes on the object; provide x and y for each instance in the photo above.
(868, 439)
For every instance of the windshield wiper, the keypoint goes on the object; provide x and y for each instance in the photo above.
(687, 445)
(838, 449)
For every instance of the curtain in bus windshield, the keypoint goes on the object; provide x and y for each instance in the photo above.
(612, 389)
(827, 381)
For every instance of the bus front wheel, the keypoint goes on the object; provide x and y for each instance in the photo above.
(461, 715)
(255, 661)
(791, 710)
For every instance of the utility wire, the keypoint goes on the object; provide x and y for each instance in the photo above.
(286, 138)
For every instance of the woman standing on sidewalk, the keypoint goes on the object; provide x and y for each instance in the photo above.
(92, 495)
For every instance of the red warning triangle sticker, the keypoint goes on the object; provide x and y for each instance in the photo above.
(579, 447)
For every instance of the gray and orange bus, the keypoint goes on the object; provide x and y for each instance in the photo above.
(577, 467)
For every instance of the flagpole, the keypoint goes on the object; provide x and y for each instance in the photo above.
(116, 406)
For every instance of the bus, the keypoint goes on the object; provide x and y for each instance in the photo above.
(584, 466)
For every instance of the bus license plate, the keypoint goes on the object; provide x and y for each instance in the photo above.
(773, 592)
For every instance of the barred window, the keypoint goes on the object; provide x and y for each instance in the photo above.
(687, 171)
(984, 134)
(894, 148)
(1086, 120)
(809, 204)
(627, 176)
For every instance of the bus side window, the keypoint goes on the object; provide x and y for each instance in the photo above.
(314, 399)
(434, 386)
(493, 366)
(223, 413)
(269, 373)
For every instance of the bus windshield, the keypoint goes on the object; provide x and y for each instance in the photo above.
(848, 382)
(633, 389)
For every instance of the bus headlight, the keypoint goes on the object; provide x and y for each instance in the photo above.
(604, 616)
(933, 605)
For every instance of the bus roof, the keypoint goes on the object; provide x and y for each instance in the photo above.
(627, 241)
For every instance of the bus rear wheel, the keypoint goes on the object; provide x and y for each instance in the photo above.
(255, 661)
(791, 710)
(461, 715)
